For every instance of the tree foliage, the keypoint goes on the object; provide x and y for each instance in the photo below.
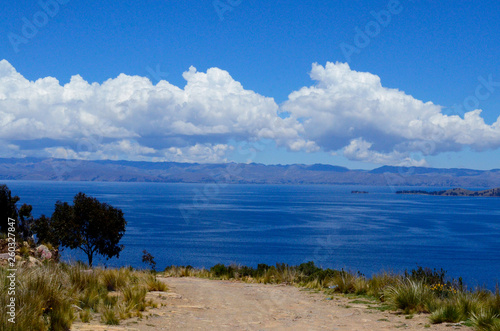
(8, 209)
(44, 230)
(92, 226)
(149, 259)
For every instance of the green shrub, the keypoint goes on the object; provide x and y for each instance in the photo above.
(345, 282)
(109, 317)
(494, 302)
(109, 301)
(450, 312)
(85, 315)
(89, 299)
(123, 311)
(285, 274)
(308, 269)
(82, 278)
(378, 282)
(427, 276)
(135, 297)
(114, 279)
(154, 284)
(408, 295)
(486, 320)
(468, 303)
(220, 270)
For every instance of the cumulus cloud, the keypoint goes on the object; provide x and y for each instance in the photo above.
(360, 150)
(352, 111)
(9, 150)
(199, 153)
(126, 150)
(129, 117)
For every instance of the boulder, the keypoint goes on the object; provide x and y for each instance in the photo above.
(43, 252)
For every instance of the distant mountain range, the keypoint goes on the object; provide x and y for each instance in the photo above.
(239, 173)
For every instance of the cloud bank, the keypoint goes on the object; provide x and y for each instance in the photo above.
(352, 111)
(130, 118)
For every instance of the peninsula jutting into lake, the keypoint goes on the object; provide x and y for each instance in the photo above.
(495, 192)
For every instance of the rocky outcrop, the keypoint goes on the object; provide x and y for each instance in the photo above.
(26, 254)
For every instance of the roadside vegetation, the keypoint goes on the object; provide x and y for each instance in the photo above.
(53, 295)
(421, 290)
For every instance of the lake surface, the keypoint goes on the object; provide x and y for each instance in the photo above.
(205, 224)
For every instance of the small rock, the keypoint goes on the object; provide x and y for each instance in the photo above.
(34, 261)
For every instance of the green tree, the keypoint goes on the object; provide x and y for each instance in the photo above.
(92, 226)
(8, 209)
(44, 231)
(25, 221)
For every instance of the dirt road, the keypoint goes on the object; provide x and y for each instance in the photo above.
(201, 304)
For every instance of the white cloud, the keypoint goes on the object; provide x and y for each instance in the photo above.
(62, 153)
(211, 110)
(131, 150)
(130, 118)
(360, 150)
(199, 153)
(9, 150)
(352, 110)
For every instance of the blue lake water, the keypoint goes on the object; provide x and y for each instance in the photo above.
(202, 225)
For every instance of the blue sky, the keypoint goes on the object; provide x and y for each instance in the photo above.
(259, 53)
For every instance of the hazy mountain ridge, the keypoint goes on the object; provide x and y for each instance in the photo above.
(234, 173)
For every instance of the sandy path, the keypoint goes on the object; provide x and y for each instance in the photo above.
(201, 304)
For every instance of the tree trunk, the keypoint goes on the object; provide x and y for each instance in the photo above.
(90, 256)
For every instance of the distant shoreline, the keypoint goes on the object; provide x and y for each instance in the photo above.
(495, 192)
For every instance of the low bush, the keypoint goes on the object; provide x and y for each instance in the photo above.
(114, 279)
(109, 317)
(135, 297)
(449, 312)
(153, 284)
(409, 295)
(486, 320)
